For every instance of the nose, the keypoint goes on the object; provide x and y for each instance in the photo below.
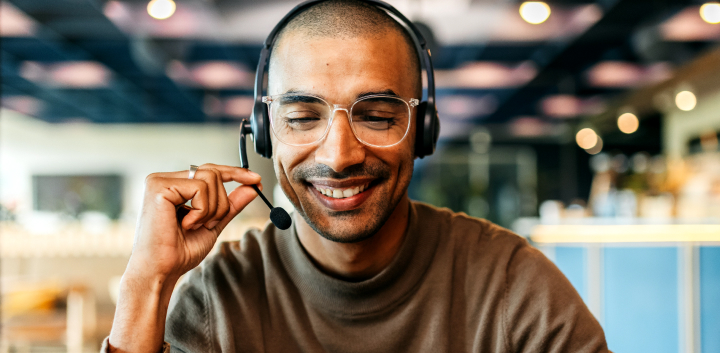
(340, 148)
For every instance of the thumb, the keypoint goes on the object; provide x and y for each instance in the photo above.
(238, 199)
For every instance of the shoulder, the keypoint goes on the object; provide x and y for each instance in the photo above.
(472, 236)
(485, 254)
(540, 309)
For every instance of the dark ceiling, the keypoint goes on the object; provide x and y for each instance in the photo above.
(142, 92)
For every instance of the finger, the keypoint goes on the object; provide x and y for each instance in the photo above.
(227, 173)
(210, 177)
(238, 199)
(177, 192)
(223, 205)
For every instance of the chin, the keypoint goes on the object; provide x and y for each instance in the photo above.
(351, 226)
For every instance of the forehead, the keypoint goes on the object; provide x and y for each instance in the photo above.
(340, 68)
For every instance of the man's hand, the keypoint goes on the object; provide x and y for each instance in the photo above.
(165, 249)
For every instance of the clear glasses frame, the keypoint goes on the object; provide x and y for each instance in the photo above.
(409, 102)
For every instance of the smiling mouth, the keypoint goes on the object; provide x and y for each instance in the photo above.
(340, 193)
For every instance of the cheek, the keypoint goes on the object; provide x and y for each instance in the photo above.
(403, 162)
(285, 160)
(407, 166)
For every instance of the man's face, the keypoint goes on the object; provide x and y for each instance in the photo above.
(340, 70)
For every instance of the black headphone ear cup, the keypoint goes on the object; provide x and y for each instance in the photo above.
(260, 123)
(427, 130)
(435, 128)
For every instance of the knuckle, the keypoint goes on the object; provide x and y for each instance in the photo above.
(209, 167)
(208, 174)
(150, 178)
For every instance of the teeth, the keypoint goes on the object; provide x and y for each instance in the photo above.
(342, 193)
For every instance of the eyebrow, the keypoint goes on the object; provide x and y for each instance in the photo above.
(386, 92)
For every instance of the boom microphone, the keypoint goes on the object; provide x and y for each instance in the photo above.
(278, 216)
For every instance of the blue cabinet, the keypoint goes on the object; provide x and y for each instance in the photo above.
(644, 293)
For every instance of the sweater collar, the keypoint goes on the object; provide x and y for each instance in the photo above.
(372, 295)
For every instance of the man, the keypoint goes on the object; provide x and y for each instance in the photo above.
(363, 269)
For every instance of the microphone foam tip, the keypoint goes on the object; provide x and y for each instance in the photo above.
(280, 218)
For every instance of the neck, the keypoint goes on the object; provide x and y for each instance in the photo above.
(361, 260)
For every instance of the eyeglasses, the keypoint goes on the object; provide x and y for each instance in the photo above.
(376, 120)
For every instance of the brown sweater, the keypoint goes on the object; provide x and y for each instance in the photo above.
(458, 284)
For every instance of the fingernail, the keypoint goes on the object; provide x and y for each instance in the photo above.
(212, 224)
(195, 227)
(254, 174)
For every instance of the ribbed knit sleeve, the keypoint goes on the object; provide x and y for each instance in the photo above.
(105, 347)
(187, 328)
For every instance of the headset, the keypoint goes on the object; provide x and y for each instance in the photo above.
(427, 127)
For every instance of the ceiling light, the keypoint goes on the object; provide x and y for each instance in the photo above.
(686, 101)
(70, 74)
(161, 9)
(80, 74)
(628, 123)
(221, 75)
(687, 26)
(239, 106)
(27, 105)
(586, 138)
(486, 74)
(464, 107)
(115, 10)
(15, 23)
(562, 106)
(614, 74)
(534, 12)
(528, 126)
(710, 12)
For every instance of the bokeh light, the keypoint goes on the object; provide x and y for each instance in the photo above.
(597, 148)
(161, 9)
(710, 12)
(628, 123)
(534, 12)
(685, 101)
(586, 138)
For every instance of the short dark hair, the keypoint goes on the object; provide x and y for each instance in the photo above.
(350, 19)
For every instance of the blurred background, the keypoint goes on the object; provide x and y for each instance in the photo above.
(589, 127)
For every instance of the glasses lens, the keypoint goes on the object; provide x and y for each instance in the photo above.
(381, 121)
(298, 119)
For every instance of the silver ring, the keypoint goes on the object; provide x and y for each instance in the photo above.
(193, 170)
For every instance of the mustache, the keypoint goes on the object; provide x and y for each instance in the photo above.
(375, 170)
